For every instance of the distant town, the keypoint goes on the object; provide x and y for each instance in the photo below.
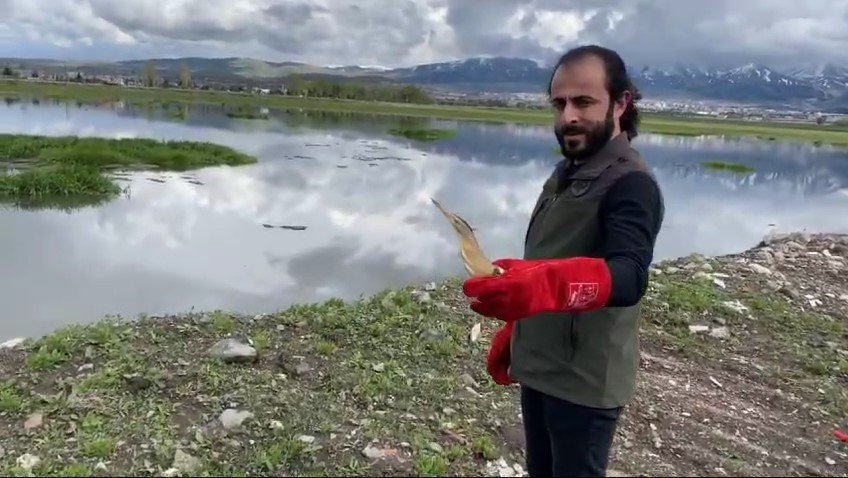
(688, 107)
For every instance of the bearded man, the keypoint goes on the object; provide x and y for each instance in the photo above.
(571, 305)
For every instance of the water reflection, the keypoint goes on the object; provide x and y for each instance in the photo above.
(175, 245)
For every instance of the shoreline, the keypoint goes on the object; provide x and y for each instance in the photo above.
(740, 353)
(656, 123)
(453, 281)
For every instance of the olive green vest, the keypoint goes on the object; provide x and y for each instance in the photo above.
(585, 358)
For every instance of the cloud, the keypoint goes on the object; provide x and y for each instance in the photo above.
(405, 32)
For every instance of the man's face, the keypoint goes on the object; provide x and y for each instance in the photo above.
(585, 118)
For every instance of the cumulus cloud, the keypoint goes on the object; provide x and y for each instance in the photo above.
(406, 32)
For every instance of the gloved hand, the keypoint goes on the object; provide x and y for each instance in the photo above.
(529, 287)
(497, 362)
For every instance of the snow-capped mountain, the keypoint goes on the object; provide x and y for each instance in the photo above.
(826, 76)
(754, 83)
(478, 73)
(750, 82)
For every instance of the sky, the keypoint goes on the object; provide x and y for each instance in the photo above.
(394, 33)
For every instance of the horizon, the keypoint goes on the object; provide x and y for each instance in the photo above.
(824, 63)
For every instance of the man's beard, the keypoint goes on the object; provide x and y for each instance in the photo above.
(596, 136)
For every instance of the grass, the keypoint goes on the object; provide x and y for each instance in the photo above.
(422, 134)
(726, 166)
(73, 168)
(393, 373)
(832, 134)
(387, 376)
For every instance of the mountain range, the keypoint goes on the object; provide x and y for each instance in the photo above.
(824, 87)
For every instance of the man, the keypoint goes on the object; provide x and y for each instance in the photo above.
(571, 306)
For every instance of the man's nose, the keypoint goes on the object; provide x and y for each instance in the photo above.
(569, 114)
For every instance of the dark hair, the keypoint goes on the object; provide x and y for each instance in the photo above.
(618, 81)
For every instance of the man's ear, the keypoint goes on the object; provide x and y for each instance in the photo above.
(623, 102)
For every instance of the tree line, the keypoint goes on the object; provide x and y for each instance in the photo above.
(297, 85)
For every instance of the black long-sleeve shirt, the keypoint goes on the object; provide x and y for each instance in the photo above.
(632, 213)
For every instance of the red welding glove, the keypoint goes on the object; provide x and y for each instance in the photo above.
(497, 362)
(529, 287)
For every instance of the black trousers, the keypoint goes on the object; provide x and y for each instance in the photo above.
(566, 439)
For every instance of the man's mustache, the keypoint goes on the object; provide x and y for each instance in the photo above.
(569, 130)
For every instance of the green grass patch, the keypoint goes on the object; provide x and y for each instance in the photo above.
(422, 134)
(727, 166)
(70, 168)
(248, 113)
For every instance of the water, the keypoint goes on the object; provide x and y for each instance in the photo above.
(175, 246)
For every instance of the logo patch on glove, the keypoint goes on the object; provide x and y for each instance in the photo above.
(581, 294)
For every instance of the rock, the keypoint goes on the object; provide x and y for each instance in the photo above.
(422, 297)
(790, 292)
(672, 270)
(232, 419)
(696, 329)
(373, 453)
(308, 439)
(232, 350)
(34, 421)
(735, 305)
(171, 472)
(706, 266)
(475, 332)
(10, 344)
(793, 246)
(302, 368)
(2, 452)
(839, 249)
(378, 367)
(100, 466)
(430, 286)
(185, 463)
(759, 269)
(27, 462)
(764, 256)
(468, 380)
(435, 447)
(502, 468)
(720, 332)
(830, 461)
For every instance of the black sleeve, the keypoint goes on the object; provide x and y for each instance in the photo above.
(631, 213)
